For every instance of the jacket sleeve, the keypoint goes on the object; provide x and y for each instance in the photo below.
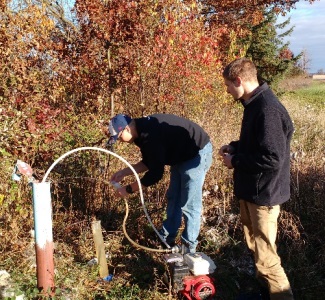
(234, 144)
(153, 156)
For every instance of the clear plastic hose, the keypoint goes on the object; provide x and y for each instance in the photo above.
(169, 249)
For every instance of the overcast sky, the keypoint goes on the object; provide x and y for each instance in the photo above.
(309, 32)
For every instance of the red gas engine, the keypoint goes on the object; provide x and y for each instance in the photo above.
(190, 275)
(198, 288)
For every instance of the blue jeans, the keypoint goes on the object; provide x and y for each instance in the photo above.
(184, 198)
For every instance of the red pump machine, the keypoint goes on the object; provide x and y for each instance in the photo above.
(190, 275)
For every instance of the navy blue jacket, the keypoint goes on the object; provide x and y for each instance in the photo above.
(262, 154)
(166, 139)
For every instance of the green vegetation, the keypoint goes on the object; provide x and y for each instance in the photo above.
(266, 48)
(312, 95)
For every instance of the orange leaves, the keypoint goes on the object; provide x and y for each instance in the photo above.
(31, 126)
(286, 54)
(146, 51)
(161, 44)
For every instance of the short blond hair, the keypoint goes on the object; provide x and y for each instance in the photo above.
(241, 67)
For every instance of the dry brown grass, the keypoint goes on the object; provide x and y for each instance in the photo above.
(295, 83)
(81, 193)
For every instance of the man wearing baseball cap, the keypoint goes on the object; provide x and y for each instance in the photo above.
(166, 139)
(116, 126)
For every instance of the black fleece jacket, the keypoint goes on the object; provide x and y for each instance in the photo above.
(262, 154)
(166, 139)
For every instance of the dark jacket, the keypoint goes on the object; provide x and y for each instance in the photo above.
(262, 154)
(166, 139)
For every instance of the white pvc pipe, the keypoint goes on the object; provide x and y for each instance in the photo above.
(43, 235)
(123, 160)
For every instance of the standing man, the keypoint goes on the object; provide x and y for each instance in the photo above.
(166, 139)
(261, 163)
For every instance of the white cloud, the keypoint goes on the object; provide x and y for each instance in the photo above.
(309, 32)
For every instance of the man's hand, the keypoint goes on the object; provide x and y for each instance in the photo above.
(118, 176)
(121, 192)
(226, 149)
(227, 160)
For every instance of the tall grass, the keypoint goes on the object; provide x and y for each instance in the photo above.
(306, 256)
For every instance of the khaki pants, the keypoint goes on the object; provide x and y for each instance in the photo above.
(260, 229)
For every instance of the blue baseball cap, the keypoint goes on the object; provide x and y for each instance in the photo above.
(116, 125)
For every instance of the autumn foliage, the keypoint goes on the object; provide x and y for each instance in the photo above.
(63, 75)
(133, 56)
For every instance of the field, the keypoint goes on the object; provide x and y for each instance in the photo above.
(80, 197)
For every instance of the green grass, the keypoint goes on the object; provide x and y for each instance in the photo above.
(313, 95)
(304, 255)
